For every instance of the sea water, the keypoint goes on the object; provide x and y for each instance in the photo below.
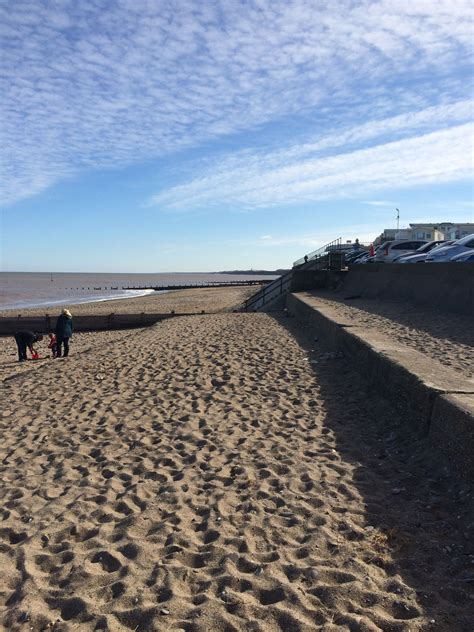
(21, 290)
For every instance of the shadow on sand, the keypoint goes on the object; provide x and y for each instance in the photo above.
(418, 516)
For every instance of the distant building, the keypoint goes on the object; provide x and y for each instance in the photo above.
(429, 232)
(456, 231)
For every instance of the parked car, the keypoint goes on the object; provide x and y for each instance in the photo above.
(465, 244)
(420, 255)
(392, 249)
(463, 257)
(362, 258)
(352, 255)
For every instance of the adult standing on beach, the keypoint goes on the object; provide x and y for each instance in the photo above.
(63, 332)
(25, 340)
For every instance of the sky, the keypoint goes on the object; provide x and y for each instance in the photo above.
(183, 135)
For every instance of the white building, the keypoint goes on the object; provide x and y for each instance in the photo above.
(428, 232)
(456, 231)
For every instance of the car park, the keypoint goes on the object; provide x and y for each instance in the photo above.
(390, 250)
(353, 255)
(420, 255)
(357, 257)
(442, 255)
(362, 258)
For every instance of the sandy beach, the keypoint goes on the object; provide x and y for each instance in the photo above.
(220, 473)
(191, 300)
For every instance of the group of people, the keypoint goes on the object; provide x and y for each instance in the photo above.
(58, 341)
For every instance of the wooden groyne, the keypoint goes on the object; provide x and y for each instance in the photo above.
(9, 325)
(185, 286)
(179, 286)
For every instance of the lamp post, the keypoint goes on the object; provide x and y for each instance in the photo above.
(398, 219)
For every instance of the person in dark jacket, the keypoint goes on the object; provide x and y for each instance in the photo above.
(25, 340)
(63, 333)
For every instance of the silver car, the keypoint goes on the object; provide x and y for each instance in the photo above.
(420, 255)
(464, 257)
(465, 244)
(390, 250)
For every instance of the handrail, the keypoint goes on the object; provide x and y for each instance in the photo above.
(329, 257)
(332, 246)
(322, 257)
(276, 287)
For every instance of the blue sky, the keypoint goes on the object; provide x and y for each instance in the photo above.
(157, 136)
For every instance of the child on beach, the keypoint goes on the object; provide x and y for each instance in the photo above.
(52, 345)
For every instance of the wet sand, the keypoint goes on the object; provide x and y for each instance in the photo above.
(205, 475)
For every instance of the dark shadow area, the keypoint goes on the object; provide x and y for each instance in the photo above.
(419, 519)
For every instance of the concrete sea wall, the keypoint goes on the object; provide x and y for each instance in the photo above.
(445, 286)
(438, 401)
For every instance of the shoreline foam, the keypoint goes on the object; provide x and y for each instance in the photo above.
(37, 304)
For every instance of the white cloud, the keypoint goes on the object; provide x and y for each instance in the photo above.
(379, 203)
(95, 84)
(307, 242)
(265, 180)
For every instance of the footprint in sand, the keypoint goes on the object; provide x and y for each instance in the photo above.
(108, 562)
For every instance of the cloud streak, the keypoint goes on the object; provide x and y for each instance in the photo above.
(101, 84)
(265, 180)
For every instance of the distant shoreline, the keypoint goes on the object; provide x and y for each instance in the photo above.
(191, 299)
(36, 304)
(23, 291)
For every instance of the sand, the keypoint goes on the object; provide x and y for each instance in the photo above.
(190, 300)
(206, 475)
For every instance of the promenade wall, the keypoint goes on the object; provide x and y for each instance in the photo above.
(448, 287)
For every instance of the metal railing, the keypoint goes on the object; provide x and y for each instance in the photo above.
(268, 293)
(322, 257)
(332, 256)
(328, 257)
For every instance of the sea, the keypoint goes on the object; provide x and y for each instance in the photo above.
(21, 290)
